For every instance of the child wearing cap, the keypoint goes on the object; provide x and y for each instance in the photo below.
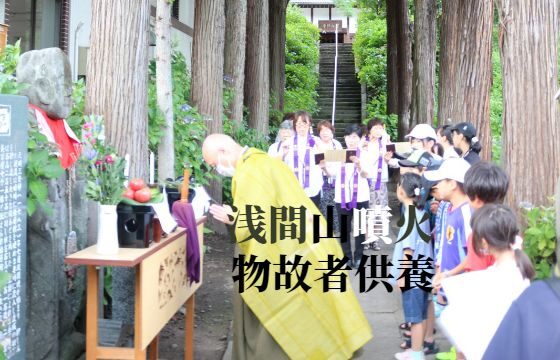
(464, 138)
(450, 178)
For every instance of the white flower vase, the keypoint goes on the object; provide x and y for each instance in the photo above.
(107, 234)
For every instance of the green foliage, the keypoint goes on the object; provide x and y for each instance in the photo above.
(345, 6)
(41, 166)
(102, 168)
(76, 118)
(302, 59)
(377, 107)
(189, 127)
(370, 52)
(496, 100)
(107, 284)
(8, 62)
(540, 239)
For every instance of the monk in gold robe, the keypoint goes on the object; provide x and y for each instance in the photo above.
(285, 323)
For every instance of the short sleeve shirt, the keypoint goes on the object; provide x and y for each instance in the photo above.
(456, 231)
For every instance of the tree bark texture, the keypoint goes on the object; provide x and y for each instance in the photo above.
(207, 74)
(234, 54)
(277, 38)
(404, 63)
(528, 49)
(392, 59)
(117, 76)
(164, 89)
(257, 65)
(466, 66)
(423, 78)
(208, 62)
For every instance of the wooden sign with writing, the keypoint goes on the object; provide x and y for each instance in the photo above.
(329, 26)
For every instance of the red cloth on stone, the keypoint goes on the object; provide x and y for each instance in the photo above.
(69, 147)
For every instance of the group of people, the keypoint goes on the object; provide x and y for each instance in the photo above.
(360, 183)
(470, 237)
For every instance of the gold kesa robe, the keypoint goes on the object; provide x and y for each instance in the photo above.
(305, 325)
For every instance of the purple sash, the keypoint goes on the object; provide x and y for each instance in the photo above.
(310, 144)
(379, 168)
(354, 200)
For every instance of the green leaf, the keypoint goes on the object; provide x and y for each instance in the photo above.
(533, 231)
(38, 189)
(31, 207)
(53, 169)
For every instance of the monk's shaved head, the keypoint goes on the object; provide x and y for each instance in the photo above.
(220, 144)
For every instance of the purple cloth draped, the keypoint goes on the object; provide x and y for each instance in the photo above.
(184, 214)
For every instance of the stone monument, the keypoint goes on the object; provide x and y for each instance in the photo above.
(55, 293)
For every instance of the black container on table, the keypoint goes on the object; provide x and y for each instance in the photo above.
(134, 224)
(174, 194)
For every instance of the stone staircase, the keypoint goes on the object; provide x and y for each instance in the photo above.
(348, 91)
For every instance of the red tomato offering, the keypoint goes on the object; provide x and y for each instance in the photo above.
(128, 193)
(143, 195)
(136, 184)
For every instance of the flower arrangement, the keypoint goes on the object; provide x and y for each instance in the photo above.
(103, 169)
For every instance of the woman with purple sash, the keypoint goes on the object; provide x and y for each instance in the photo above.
(351, 191)
(327, 142)
(301, 158)
(375, 143)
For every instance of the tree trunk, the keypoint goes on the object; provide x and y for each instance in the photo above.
(208, 62)
(164, 89)
(424, 62)
(392, 59)
(117, 76)
(207, 74)
(466, 66)
(277, 38)
(257, 65)
(404, 63)
(234, 54)
(530, 80)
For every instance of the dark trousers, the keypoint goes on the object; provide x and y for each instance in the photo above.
(358, 240)
(317, 200)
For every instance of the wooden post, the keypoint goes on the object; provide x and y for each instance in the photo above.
(189, 329)
(154, 349)
(92, 314)
(139, 353)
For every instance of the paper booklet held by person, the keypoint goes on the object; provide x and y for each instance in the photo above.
(402, 147)
(340, 156)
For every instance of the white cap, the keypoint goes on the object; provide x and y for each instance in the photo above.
(451, 169)
(422, 131)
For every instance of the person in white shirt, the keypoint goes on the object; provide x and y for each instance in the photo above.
(445, 140)
(375, 142)
(300, 157)
(351, 192)
(285, 135)
(328, 142)
(478, 300)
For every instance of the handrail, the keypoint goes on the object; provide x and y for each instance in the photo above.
(335, 73)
